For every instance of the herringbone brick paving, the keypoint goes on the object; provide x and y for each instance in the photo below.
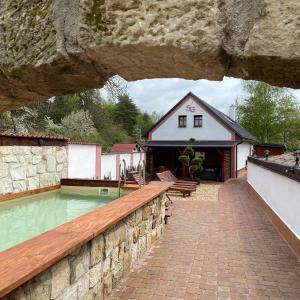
(216, 250)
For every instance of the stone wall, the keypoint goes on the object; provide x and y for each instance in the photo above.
(93, 270)
(25, 168)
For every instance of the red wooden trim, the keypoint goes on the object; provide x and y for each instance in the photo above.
(233, 162)
(28, 192)
(98, 161)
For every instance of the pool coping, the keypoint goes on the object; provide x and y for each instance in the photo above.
(26, 260)
(32, 192)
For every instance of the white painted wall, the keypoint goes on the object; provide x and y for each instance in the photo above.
(279, 192)
(127, 158)
(243, 151)
(136, 158)
(109, 163)
(82, 161)
(211, 130)
(109, 166)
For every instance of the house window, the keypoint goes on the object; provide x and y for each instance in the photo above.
(181, 121)
(198, 121)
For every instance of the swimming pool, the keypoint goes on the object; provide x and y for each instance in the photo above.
(27, 217)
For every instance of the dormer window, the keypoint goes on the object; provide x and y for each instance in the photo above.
(181, 121)
(198, 120)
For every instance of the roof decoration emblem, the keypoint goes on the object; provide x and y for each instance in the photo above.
(190, 108)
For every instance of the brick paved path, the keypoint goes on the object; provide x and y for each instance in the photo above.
(216, 250)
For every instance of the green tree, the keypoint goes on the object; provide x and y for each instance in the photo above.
(268, 112)
(77, 126)
(126, 113)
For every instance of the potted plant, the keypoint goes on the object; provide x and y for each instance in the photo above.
(188, 159)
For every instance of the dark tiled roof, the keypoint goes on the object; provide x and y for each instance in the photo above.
(31, 136)
(270, 145)
(186, 143)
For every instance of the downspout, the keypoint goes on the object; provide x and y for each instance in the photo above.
(236, 158)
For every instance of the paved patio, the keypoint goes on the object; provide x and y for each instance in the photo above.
(225, 249)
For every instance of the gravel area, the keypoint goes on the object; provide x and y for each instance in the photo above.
(206, 191)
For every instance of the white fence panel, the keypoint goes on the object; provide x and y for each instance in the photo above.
(109, 166)
(82, 161)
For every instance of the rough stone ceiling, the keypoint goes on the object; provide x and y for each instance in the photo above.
(55, 47)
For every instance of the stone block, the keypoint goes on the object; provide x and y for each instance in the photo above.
(107, 285)
(127, 261)
(36, 159)
(5, 150)
(95, 293)
(18, 172)
(33, 183)
(36, 150)
(31, 170)
(146, 213)
(59, 167)
(79, 264)
(106, 266)
(61, 156)
(3, 169)
(139, 216)
(39, 288)
(19, 186)
(60, 278)
(83, 286)
(41, 168)
(6, 186)
(50, 163)
(97, 250)
(10, 158)
(96, 274)
(114, 237)
(71, 293)
(18, 294)
(47, 179)
(135, 235)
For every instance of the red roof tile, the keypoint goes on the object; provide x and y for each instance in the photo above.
(30, 136)
(123, 148)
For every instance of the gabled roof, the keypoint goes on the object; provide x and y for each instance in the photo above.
(226, 120)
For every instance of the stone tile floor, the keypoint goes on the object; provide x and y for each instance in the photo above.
(226, 249)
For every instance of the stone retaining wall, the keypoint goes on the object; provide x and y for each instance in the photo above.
(93, 270)
(25, 168)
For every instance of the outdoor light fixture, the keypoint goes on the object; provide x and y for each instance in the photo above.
(267, 153)
(297, 158)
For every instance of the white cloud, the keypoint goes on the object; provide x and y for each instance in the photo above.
(162, 94)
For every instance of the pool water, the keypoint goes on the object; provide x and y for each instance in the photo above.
(27, 217)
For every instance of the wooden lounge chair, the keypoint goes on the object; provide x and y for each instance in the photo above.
(185, 191)
(171, 177)
(138, 178)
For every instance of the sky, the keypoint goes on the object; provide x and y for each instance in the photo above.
(162, 94)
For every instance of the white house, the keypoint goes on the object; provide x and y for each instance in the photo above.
(224, 143)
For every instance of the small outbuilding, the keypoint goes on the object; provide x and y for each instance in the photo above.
(192, 121)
